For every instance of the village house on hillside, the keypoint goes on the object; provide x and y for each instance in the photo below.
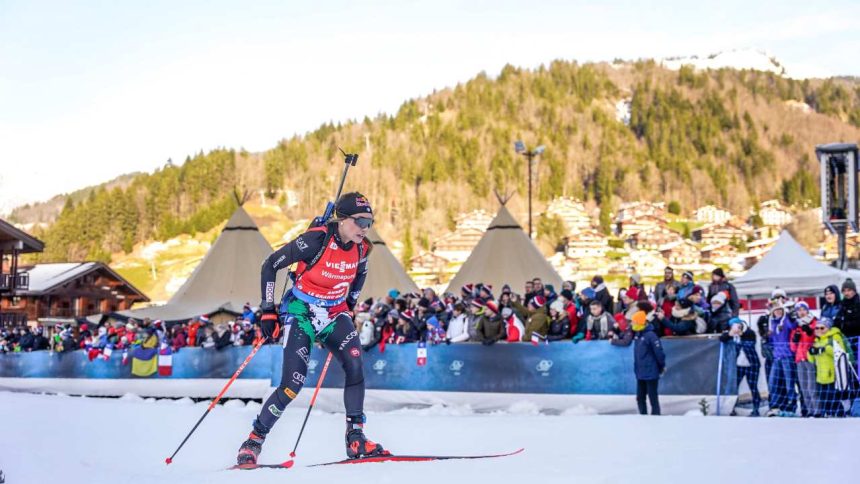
(427, 269)
(773, 214)
(572, 212)
(712, 215)
(633, 210)
(683, 254)
(456, 246)
(719, 234)
(654, 238)
(476, 219)
(587, 243)
(629, 228)
(720, 255)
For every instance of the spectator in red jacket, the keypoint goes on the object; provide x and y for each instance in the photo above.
(180, 337)
(802, 338)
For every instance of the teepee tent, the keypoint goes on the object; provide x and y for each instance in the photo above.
(787, 266)
(505, 255)
(383, 271)
(226, 278)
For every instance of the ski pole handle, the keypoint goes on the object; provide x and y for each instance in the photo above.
(257, 347)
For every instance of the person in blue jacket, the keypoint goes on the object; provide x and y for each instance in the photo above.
(832, 302)
(649, 361)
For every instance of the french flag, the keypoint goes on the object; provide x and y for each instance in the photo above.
(165, 360)
(537, 338)
(422, 353)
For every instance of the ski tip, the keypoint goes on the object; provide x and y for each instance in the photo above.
(168, 461)
(287, 464)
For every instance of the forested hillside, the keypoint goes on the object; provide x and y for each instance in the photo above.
(613, 132)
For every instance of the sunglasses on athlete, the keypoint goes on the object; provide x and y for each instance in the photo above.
(362, 222)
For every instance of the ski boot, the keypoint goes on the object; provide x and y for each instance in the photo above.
(357, 445)
(250, 449)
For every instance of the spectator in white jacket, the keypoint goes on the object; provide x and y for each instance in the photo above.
(458, 326)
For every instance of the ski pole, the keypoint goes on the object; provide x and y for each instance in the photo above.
(257, 347)
(290, 462)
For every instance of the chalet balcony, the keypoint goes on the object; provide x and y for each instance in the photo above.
(21, 282)
(12, 319)
(63, 313)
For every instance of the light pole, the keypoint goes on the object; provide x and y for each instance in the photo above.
(520, 148)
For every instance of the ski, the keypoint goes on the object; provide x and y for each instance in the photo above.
(380, 458)
(247, 467)
(414, 458)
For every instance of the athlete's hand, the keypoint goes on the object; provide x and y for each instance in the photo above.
(270, 325)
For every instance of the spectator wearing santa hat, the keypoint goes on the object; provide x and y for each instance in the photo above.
(490, 327)
(538, 319)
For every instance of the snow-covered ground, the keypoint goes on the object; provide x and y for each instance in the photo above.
(72, 440)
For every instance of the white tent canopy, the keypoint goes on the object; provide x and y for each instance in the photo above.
(227, 278)
(505, 255)
(787, 266)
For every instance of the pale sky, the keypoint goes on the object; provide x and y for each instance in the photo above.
(91, 90)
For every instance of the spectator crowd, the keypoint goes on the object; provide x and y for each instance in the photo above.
(809, 362)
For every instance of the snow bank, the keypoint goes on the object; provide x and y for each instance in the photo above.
(98, 440)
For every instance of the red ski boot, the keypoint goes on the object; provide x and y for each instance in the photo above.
(250, 450)
(357, 445)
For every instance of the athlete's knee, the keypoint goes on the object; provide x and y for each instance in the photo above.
(291, 385)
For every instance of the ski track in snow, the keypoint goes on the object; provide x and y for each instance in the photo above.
(50, 438)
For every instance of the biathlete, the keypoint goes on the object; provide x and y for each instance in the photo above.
(332, 267)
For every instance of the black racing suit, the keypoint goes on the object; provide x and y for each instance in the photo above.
(305, 322)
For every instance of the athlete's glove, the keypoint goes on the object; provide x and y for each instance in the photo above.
(270, 325)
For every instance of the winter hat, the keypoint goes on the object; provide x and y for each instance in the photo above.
(102, 331)
(406, 316)
(801, 304)
(393, 293)
(567, 294)
(826, 322)
(506, 289)
(507, 312)
(247, 306)
(352, 203)
(597, 279)
(636, 278)
(84, 327)
(423, 303)
(639, 319)
(550, 288)
(633, 293)
(493, 307)
(204, 319)
(849, 284)
(557, 306)
(685, 303)
(688, 274)
(719, 297)
(719, 272)
(467, 289)
(478, 303)
(538, 301)
(588, 293)
(778, 293)
(129, 327)
(735, 320)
